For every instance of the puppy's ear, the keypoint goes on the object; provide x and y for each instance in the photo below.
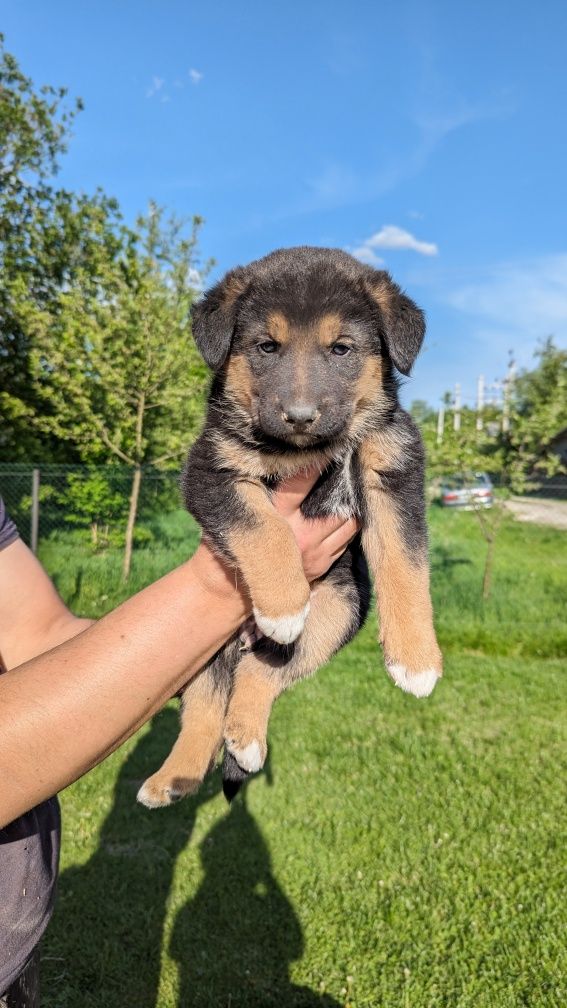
(403, 323)
(213, 317)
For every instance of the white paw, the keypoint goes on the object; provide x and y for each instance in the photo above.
(250, 758)
(421, 684)
(153, 798)
(285, 629)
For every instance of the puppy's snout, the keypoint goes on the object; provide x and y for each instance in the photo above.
(300, 413)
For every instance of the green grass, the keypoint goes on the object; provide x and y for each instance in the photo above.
(91, 583)
(395, 854)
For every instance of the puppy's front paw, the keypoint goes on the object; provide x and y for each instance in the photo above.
(421, 683)
(282, 629)
(161, 790)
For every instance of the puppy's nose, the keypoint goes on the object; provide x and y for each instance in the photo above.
(300, 413)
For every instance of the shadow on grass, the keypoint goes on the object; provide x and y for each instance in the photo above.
(233, 943)
(104, 942)
(443, 561)
(77, 588)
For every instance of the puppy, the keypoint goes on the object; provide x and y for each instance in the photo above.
(305, 346)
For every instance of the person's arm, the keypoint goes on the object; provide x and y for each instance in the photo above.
(33, 617)
(62, 712)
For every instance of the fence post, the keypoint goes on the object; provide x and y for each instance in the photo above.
(35, 510)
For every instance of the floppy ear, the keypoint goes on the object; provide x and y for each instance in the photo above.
(403, 322)
(214, 316)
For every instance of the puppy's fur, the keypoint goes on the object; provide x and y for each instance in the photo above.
(305, 345)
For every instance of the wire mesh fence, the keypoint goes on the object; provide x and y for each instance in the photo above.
(88, 504)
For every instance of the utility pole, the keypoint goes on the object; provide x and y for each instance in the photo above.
(440, 424)
(495, 392)
(457, 411)
(479, 402)
(508, 383)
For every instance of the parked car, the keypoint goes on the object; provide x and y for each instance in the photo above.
(464, 491)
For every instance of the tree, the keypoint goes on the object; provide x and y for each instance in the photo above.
(34, 128)
(112, 359)
(92, 496)
(519, 458)
(97, 362)
(466, 452)
(421, 411)
(538, 414)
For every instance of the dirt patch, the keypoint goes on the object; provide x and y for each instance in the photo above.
(543, 512)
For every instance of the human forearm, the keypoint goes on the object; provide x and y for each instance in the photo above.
(63, 711)
(33, 617)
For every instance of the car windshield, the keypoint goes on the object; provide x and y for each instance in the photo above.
(465, 482)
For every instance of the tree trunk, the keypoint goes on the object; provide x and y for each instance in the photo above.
(132, 513)
(487, 579)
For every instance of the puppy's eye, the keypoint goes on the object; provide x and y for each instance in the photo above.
(340, 349)
(268, 346)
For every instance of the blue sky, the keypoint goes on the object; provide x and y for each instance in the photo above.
(426, 136)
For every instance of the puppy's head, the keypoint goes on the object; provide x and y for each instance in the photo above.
(304, 341)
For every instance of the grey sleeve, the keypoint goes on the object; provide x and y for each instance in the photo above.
(8, 531)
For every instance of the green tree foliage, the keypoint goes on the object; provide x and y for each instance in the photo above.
(95, 349)
(93, 498)
(520, 458)
(35, 248)
(421, 411)
(111, 356)
(464, 450)
(538, 415)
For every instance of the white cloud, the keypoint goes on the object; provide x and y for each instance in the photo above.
(156, 85)
(391, 237)
(529, 297)
(501, 307)
(340, 185)
(366, 255)
(195, 75)
(510, 307)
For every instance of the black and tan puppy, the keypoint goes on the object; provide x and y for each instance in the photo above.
(305, 345)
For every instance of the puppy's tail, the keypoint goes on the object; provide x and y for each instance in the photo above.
(233, 776)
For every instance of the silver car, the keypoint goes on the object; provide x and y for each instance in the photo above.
(467, 491)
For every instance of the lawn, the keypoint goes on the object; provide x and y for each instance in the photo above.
(395, 853)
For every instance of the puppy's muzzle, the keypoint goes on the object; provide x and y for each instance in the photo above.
(300, 415)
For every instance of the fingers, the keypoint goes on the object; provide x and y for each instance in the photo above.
(318, 557)
(335, 531)
(291, 492)
(320, 540)
(338, 540)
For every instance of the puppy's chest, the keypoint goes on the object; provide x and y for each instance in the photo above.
(338, 492)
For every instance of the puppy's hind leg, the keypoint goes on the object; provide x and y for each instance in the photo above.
(335, 616)
(203, 711)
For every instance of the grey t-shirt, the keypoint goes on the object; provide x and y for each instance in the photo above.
(29, 859)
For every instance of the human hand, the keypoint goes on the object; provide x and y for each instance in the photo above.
(321, 540)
